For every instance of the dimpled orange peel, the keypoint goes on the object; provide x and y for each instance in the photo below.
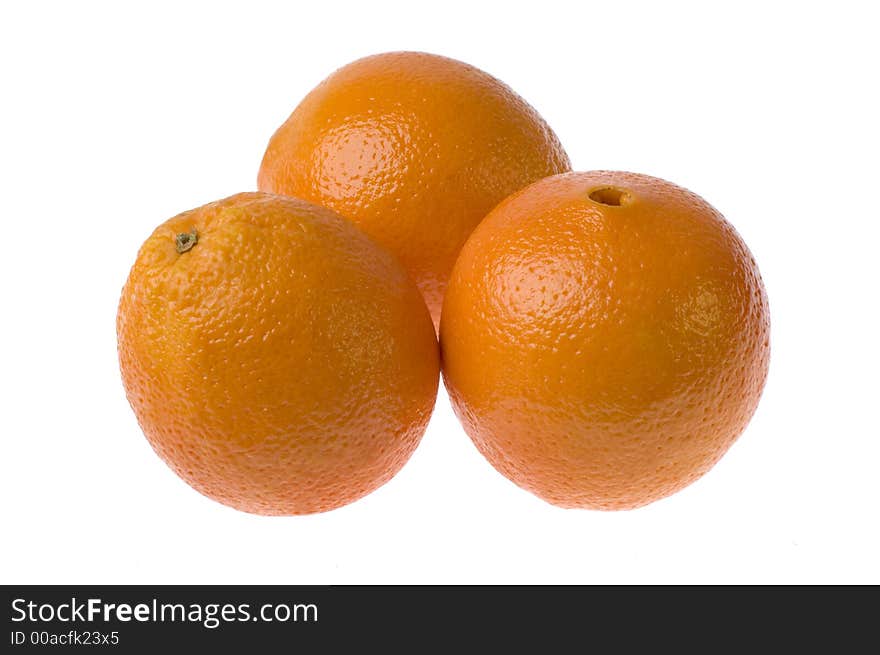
(415, 149)
(277, 359)
(605, 338)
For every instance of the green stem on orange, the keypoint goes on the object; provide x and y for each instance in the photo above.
(186, 240)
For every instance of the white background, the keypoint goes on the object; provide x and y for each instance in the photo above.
(114, 119)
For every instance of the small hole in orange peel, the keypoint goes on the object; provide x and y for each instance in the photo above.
(610, 195)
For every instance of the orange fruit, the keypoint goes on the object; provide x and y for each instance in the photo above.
(276, 358)
(415, 149)
(605, 338)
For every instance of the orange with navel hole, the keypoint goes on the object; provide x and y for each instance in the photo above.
(605, 338)
(277, 359)
(415, 149)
